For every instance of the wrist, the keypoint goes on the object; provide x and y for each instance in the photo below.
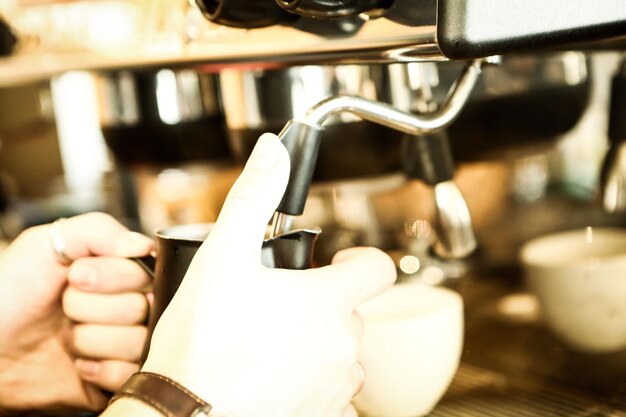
(13, 384)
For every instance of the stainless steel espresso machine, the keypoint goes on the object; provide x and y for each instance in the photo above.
(429, 128)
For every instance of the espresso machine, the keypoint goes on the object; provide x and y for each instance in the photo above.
(401, 118)
(386, 52)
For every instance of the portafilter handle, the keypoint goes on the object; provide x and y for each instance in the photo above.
(243, 13)
(324, 9)
(247, 14)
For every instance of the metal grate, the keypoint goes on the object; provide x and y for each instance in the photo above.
(482, 393)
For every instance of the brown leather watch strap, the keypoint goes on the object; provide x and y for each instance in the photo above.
(164, 394)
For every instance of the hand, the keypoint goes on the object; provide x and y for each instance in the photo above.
(260, 342)
(38, 343)
(107, 301)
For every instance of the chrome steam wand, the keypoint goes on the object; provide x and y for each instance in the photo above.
(302, 139)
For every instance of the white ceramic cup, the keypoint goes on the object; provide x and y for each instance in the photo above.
(411, 348)
(579, 277)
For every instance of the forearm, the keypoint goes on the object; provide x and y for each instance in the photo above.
(125, 407)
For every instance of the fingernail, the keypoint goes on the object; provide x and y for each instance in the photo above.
(133, 244)
(265, 155)
(87, 368)
(83, 276)
(150, 298)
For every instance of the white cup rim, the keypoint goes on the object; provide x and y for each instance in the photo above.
(440, 300)
(575, 247)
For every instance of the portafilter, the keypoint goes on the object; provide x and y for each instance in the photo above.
(263, 100)
(161, 116)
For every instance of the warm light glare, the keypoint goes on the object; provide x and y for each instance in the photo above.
(522, 306)
(305, 91)
(433, 275)
(111, 24)
(167, 99)
(83, 151)
(410, 264)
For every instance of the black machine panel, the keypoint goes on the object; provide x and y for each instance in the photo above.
(479, 28)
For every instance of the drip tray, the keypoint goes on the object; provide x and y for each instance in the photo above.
(479, 392)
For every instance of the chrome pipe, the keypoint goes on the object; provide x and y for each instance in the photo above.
(280, 224)
(391, 117)
(452, 222)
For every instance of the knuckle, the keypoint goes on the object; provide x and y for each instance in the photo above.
(136, 309)
(142, 334)
(386, 268)
(117, 372)
(78, 341)
(98, 217)
(33, 236)
(69, 304)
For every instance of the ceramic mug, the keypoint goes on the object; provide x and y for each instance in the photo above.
(579, 277)
(411, 349)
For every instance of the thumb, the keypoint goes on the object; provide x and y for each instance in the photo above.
(242, 223)
(359, 273)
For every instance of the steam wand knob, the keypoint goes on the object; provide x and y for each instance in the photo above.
(302, 142)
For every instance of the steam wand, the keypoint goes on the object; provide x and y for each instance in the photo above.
(302, 140)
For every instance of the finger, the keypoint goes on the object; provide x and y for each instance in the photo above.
(100, 234)
(350, 411)
(357, 378)
(108, 275)
(109, 309)
(108, 342)
(358, 326)
(359, 273)
(109, 375)
(242, 222)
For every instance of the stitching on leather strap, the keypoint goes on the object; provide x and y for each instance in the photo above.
(162, 393)
(142, 398)
(177, 385)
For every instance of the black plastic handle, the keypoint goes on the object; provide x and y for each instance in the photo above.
(617, 113)
(302, 142)
(147, 263)
(347, 26)
(413, 12)
(325, 9)
(428, 157)
(244, 13)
